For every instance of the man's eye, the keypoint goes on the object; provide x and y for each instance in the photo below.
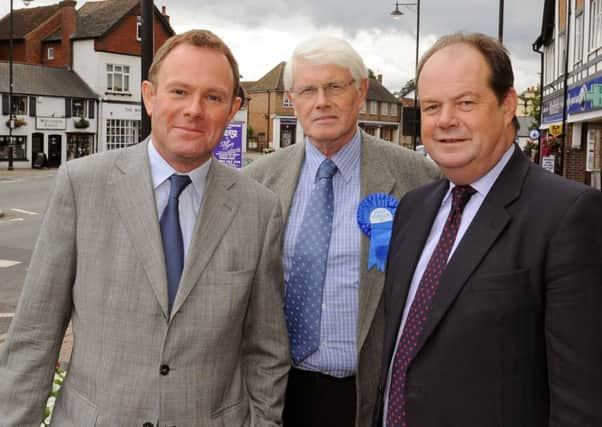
(430, 108)
(214, 98)
(308, 91)
(178, 92)
(466, 105)
(336, 87)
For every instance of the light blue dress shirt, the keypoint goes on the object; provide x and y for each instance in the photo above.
(190, 199)
(336, 355)
(482, 187)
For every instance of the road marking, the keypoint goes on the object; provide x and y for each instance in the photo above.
(6, 263)
(23, 211)
(7, 315)
(16, 219)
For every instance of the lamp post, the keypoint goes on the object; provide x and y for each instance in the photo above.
(11, 116)
(396, 14)
(500, 24)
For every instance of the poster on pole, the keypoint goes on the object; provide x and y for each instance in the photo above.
(229, 149)
(547, 163)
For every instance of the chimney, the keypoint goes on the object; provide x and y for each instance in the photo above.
(68, 27)
(379, 78)
(164, 13)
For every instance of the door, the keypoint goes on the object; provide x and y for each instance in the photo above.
(37, 144)
(54, 151)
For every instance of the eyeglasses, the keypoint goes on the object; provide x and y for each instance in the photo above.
(335, 88)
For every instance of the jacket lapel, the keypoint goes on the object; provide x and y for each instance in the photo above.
(217, 213)
(374, 178)
(135, 203)
(490, 221)
(287, 176)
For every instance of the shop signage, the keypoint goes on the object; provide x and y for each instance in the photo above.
(54, 123)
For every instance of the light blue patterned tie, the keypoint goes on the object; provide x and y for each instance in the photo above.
(303, 300)
(171, 234)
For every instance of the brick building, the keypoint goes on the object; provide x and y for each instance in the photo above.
(100, 42)
(581, 56)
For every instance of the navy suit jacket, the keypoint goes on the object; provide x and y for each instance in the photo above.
(514, 336)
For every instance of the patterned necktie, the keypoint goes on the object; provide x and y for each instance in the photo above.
(171, 234)
(303, 300)
(419, 310)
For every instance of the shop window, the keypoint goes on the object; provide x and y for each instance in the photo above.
(19, 145)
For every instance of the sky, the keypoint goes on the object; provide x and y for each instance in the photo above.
(261, 33)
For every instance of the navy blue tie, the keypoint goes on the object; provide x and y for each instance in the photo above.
(303, 300)
(171, 234)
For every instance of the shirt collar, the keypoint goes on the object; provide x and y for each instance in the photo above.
(483, 185)
(161, 170)
(346, 159)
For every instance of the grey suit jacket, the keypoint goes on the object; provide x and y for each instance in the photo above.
(221, 359)
(384, 168)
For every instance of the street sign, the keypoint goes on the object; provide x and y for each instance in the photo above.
(547, 163)
(555, 130)
(534, 134)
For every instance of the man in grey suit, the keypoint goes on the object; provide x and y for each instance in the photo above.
(333, 302)
(209, 349)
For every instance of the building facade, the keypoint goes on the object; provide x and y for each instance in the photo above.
(571, 46)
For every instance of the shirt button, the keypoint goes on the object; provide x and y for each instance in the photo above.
(164, 370)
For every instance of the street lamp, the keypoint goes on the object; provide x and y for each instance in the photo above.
(11, 116)
(396, 14)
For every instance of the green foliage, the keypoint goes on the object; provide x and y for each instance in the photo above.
(59, 379)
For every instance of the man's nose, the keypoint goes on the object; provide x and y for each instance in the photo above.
(447, 116)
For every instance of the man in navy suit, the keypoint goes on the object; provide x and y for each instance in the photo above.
(493, 290)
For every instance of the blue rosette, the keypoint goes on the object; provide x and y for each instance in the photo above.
(375, 218)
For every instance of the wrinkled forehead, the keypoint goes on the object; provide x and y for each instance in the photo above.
(306, 72)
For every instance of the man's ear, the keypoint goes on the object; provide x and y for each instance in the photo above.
(234, 108)
(509, 105)
(148, 95)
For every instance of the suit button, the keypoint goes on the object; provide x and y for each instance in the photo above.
(148, 425)
(164, 370)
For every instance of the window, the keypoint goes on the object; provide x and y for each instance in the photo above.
(562, 53)
(50, 53)
(384, 108)
(121, 133)
(595, 24)
(19, 105)
(118, 78)
(393, 109)
(578, 50)
(78, 107)
(286, 103)
(139, 28)
(19, 146)
(373, 107)
(549, 66)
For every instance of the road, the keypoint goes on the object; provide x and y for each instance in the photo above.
(23, 196)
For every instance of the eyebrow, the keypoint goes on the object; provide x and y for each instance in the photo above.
(455, 98)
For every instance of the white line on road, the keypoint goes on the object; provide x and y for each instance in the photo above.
(6, 263)
(23, 211)
(7, 315)
(16, 219)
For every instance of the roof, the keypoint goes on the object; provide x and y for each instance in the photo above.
(45, 81)
(26, 20)
(273, 80)
(95, 18)
(377, 92)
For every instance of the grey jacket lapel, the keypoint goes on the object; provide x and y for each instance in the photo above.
(288, 176)
(216, 215)
(375, 178)
(135, 203)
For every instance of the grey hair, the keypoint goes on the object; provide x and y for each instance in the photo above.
(326, 50)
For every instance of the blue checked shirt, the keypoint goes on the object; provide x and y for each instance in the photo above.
(336, 355)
